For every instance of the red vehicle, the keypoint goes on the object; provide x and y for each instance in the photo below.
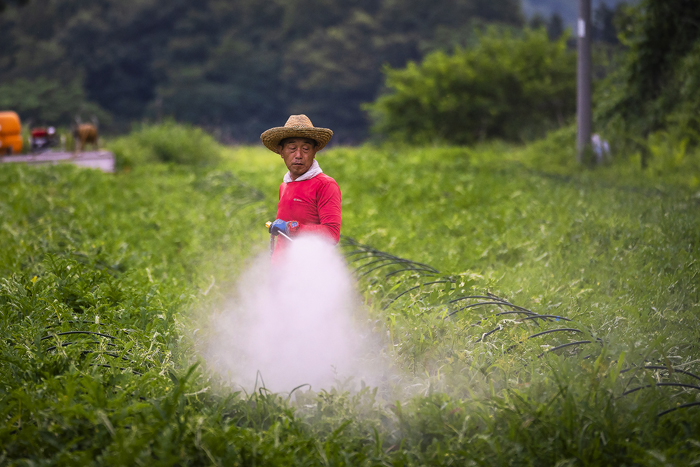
(42, 138)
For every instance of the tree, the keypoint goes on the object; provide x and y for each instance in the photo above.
(238, 66)
(48, 102)
(657, 87)
(509, 86)
(603, 28)
(555, 26)
(5, 3)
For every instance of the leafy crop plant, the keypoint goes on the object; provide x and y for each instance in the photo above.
(101, 277)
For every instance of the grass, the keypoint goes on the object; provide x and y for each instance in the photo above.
(615, 250)
(131, 258)
(167, 142)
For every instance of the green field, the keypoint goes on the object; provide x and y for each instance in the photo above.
(103, 278)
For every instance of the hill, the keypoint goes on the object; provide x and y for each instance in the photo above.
(238, 67)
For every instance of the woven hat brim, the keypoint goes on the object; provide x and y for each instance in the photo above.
(272, 137)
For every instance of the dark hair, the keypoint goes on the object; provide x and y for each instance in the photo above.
(285, 140)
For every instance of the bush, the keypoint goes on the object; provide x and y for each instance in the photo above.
(166, 142)
(655, 93)
(509, 86)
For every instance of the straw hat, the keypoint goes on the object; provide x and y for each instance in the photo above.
(298, 126)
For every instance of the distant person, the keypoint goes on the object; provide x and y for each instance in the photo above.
(309, 200)
(601, 148)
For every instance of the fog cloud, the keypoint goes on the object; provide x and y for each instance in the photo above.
(294, 322)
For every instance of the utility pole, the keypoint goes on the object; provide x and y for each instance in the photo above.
(583, 94)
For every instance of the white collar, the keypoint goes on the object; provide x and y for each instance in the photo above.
(314, 170)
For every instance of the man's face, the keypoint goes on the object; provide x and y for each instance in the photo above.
(298, 155)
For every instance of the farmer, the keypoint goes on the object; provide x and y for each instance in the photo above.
(309, 200)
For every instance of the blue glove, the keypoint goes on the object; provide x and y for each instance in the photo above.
(286, 228)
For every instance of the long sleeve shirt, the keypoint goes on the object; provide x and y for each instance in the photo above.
(314, 203)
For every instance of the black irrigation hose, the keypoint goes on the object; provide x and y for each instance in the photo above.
(137, 373)
(562, 346)
(513, 346)
(368, 253)
(357, 269)
(516, 307)
(353, 242)
(412, 289)
(66, 344)
(554, 330)
(392, 260)
(540, 334)
(684, 406)
(349, 256)
(298, 387)
(353, 253)
(659, 367)
(382, 259)
(369, 271)
(497, 302)
(74, 322)
(371, 254)
(516, 312)
(490, 296)
(680, 385)
(110, 354)
(77, 332)
(401, 295)
(472, 306)
(389, 260)
(485, 297)
(546, 316)
(393, 263)
(487, 334)
(429, 273)
(501, 302)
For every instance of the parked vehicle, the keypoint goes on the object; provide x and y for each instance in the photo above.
(10, 133)
(43, 138)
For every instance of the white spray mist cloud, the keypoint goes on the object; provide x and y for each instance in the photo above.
(293, 322)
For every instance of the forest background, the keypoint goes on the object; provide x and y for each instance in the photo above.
(238, 68)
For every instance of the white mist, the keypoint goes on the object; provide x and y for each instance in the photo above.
(293, 323)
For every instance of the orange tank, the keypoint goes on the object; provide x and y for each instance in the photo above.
(10, 133)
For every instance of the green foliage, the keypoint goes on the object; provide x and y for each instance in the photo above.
(656, 89)
(613, 250)
(165, 142)
(97, 274)
(126, 262)
(586, 246)
(5, 3)
(242, 66)
(49, 102)
(508, 86)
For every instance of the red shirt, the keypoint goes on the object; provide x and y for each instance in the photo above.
(314, 203)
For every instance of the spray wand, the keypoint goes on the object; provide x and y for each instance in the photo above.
(272, 237)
